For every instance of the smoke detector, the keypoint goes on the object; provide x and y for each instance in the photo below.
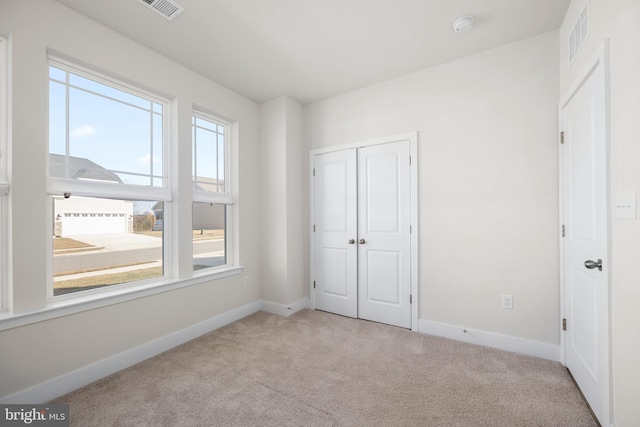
(463, 24)
(167, 8)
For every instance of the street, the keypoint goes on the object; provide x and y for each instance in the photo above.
(108, 258)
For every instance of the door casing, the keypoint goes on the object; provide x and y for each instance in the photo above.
(412, 137)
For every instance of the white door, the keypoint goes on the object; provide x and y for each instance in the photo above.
(362, 241)
(335, 217)
(384, 249)
(586, 285)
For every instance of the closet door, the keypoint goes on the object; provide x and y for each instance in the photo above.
(384, 238)
(335, 218)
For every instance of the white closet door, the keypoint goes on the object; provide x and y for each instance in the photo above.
(335, 216)
(384, 239)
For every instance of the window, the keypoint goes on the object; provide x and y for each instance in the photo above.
(211, 191)
(4, 179)
(107, 181)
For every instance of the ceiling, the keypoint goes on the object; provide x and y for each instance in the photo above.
(311, 50)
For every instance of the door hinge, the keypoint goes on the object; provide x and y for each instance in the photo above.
(563, 231)
(410, 299)
(314, 228)
(562, 137)
(410, 229)
(564, 324)
(314, 171)
(409, 159)
(314, 284)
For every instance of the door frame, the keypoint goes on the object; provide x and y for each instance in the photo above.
(412, 137)
(599, 59)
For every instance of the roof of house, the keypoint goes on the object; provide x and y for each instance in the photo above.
(79, 168)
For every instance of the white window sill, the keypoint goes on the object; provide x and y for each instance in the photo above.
(64, 306)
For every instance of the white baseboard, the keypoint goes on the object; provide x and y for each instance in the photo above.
(491, 339)
(284, 310)
(73, 380)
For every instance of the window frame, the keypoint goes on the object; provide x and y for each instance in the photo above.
(59, 186)
(4, 176)
(226, 197)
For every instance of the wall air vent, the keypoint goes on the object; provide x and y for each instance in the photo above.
(579, 33)
(167, 8)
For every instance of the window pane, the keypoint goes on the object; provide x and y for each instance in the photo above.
(156, 164)
(206, 124)
(57, 118)
(103, 242)
(209, 232)
(107, 91)
(208, 156)
(57, 74)
(220, 157)
(206, 159)
(112, 135)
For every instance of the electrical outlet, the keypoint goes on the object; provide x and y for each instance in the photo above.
(246, 280)
(507, 301)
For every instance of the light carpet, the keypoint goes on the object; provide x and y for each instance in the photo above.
(320, 369)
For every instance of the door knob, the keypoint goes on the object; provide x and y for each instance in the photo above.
(361, 241)
(593, 264)
(351, 241)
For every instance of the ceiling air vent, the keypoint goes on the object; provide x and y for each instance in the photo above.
(579, 33)
(167, 8)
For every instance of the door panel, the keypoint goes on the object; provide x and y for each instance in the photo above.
(381, 183)
(335, 268)
(585, 202)
(384, 276)
(384, 270)
(335, 216)
(583, 305)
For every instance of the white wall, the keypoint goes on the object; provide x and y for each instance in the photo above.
(40, 351)
(618, 22)
(284, 203)
(273, 209)
(297, 204)
(488, 172)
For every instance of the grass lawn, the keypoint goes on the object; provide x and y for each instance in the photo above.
(110, 279)
(89, 270)
(60, 243)
(150, 233)
(208, 234)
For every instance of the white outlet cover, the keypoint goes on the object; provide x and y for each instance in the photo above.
(507, 301)
(626, 205)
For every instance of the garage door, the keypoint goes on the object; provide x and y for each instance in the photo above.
(93, 223)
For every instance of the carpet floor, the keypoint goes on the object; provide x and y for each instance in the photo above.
(319, 369)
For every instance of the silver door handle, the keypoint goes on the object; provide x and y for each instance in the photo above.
(593, 264)
(351, 241)
(361, 241)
